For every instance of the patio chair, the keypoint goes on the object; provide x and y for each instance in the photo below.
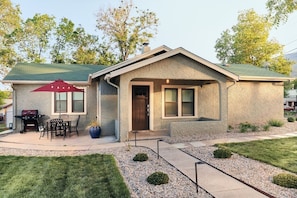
(57, 127)
(75, 127)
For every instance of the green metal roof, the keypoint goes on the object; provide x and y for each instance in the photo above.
(51, 72)
(251, 70)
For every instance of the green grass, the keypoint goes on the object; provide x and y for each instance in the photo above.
(2, 127)
(281, 153)
(45, 177)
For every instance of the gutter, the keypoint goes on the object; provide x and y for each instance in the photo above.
(107, 78)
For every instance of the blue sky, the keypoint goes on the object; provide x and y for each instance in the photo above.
(192, 24)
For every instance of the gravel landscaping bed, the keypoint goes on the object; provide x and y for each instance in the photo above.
(253, 172)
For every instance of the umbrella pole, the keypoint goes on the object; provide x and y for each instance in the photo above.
(59, 106)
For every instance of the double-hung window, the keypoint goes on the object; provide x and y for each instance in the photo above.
(69, 103)
(179, 101)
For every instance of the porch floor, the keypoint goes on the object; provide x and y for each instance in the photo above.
(147, 135)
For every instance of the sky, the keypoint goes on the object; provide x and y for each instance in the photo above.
(192, 24)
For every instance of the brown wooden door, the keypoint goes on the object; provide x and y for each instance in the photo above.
(140, 107)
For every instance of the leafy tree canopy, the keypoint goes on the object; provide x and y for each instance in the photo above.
(248, 43)
(280, 9)
(126, 28)
(9, 21)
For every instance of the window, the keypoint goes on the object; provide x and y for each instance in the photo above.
(179, 101)
(69, 102)
(60, 102)
(171, 102)
(77, 102)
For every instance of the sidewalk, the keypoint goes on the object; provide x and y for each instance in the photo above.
(215, 182)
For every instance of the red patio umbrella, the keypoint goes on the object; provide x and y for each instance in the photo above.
(58, 86)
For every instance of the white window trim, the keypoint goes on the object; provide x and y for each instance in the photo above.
(69, 104)
(179, 88)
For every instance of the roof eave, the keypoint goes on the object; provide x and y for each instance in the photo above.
(264, 78)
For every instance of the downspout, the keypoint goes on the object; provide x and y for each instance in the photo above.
(234, 82)
(117, 128)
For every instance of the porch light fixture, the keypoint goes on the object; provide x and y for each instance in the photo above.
(167, 81)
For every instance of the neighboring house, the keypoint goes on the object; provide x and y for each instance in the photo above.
(162, 90)
(6, 112)
(290, 102)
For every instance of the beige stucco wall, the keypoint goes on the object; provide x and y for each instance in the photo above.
(24, 98)
(108, 108)
(177, 68)
(255, 102)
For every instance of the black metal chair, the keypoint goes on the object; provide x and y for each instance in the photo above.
(75, 127)
(57, 127)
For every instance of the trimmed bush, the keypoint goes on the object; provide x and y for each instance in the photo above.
(158, 178)
(291, 119)
(222, 153)
(275, 123)
(285, 180)
(141, 157)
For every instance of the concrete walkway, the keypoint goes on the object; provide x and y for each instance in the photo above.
(212, 180)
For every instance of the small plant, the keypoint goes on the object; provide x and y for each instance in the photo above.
(141, 157)
(291, 119)
(266, 127)
(244, 127)
(128, 146)
(222, 153)
(285, 180)
(94, 123)
(275, 123)
(230, 128)
(254, 128)
(158, 178)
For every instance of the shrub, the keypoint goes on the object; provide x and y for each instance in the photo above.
(254, 128)
(275, 123)
(266, 127)
(140, 157)
(222, 153)
(291, 119)
(244, 127)
(285, 180)
(158, 178)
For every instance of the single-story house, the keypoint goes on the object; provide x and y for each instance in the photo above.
(161, 90)
(6, 112)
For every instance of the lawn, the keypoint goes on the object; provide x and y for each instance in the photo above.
(78, 176)
(2, 127)
(281, 153)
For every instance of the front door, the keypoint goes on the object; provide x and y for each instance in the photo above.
(140, 107)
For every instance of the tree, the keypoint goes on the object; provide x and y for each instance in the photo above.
(86, 46)
(34, 37)
(9, 21)
(64, 36)
(250, 44)
(126, 33)
(280, 9)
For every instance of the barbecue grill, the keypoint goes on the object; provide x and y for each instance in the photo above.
(30, 119)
